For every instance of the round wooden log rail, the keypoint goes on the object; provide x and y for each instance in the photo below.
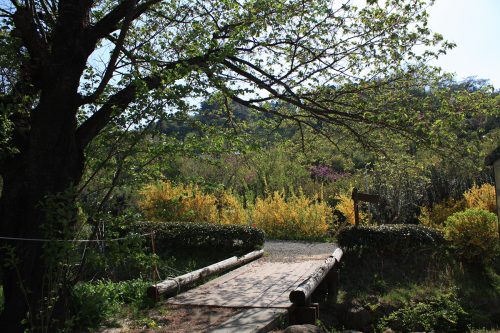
(303, 292)
(173, 285)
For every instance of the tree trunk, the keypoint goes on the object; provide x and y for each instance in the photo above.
(51, 163)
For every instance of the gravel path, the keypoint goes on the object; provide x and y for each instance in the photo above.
(295, 251)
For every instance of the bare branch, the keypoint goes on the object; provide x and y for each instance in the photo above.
(293, 99)
(108, 74)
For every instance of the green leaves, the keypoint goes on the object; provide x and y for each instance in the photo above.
(203, 236)
(390, 238)
(441, 313)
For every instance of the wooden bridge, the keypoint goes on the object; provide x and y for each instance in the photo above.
(277, 285)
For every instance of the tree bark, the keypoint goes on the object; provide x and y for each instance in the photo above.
(50, 164)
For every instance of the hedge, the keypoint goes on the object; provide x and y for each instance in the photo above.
(203, 236)
(390, 238)
(394, 253)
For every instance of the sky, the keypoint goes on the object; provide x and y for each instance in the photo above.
(474, 25)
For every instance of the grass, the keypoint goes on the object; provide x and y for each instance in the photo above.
(103, 302)
(413, 291)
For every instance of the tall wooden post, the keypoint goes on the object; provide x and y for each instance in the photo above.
(357, 197)
(356, 206)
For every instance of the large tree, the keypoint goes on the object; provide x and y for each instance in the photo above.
(70, 67)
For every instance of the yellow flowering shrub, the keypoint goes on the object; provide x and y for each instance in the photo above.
(200, 207)
(165, 201)
(345, 206)
(436, 216)
(295, 217)
(482, 197)
(231, 210)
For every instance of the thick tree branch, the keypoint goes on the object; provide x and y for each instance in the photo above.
(108, 74)
(26, 29)
(118, 102)
(110, 22)
(115, 105)
(73, 14)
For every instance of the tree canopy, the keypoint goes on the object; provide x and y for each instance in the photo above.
(72, 67)
(314, 55)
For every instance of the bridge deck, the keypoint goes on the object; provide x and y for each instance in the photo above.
(263, 284)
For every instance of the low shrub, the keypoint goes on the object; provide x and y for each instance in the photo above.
(481, 197)
(295, 217)
(125, 259)
(165, 201)
(203, 236)
(390, 238)
(392, 254)
(473, 234)
(95, 303)
(230, 209)
(441, 313)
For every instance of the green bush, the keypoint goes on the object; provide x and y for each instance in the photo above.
(203, 236)
(391, 254)
(473, 234)
(441, 313)
(125, 259)
(95, 303)
(390, 238)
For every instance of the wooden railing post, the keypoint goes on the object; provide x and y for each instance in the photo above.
(304, 311)
(333, 284)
